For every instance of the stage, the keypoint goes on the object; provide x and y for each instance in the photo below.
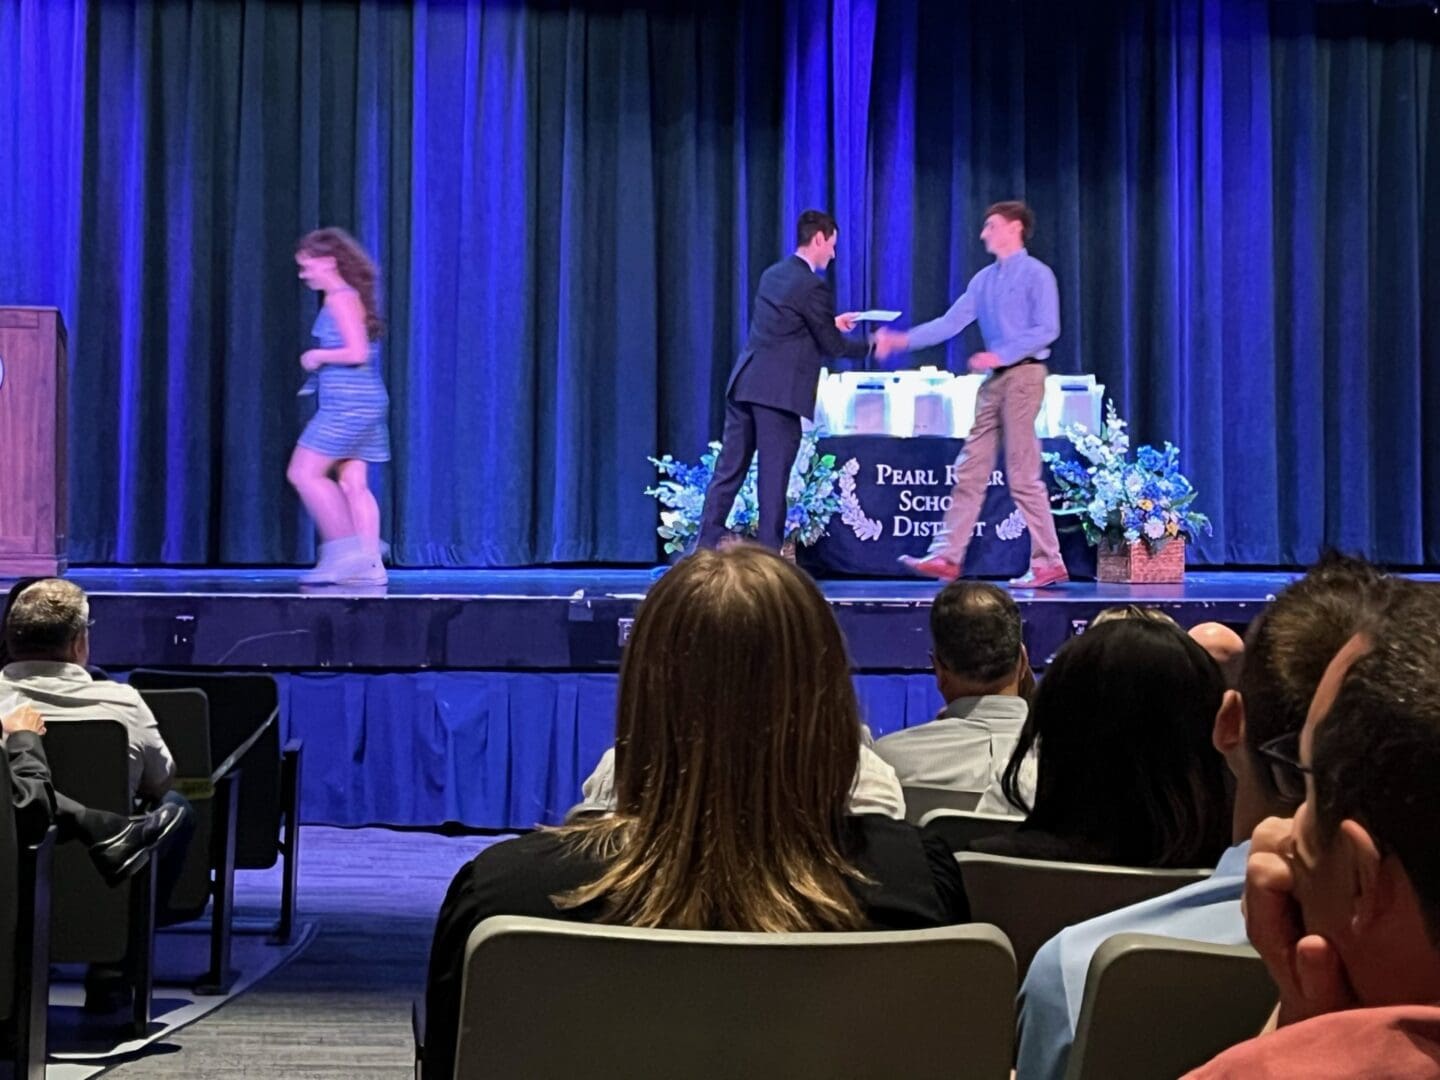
(486, 697)
(538, 620)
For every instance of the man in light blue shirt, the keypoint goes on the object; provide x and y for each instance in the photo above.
(1017, 304)
(1286, 652)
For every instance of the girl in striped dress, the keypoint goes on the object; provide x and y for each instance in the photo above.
(329, 466)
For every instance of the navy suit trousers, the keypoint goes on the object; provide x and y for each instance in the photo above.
(775, 433)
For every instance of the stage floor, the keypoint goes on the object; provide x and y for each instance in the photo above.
(542, 619)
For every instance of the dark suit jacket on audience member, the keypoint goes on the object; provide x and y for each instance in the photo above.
(31, 792)
(792, 333)
(916, 884)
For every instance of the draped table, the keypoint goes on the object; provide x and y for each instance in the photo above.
(893, 501)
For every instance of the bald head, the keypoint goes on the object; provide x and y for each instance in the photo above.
(1225, 647)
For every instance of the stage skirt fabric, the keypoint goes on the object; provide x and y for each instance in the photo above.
(492, 750)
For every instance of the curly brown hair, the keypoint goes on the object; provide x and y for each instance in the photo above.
(353, 265)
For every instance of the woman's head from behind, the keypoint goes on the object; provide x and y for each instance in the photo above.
(1123, 719)
(737, 739)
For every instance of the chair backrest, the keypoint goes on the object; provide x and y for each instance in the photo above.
(920, 800)
(9, 892)
(961, 828)
(183, 717)
(184, 720)
(1209, 998)
(1032, 900)
(89, 763)
(240, 706)
(549, 998)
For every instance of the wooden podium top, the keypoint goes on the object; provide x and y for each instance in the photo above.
(27, 317)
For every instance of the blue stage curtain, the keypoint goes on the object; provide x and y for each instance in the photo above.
(571, 204)
(491, 750)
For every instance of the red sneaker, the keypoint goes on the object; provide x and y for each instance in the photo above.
(1041, 578)
(932, 566)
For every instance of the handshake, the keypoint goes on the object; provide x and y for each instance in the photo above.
(889, 342)
(885, 341)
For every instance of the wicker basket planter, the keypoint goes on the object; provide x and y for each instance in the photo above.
(1133, 564)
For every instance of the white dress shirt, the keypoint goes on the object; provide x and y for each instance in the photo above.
(62, 692)
(962, 748)
(876, 789)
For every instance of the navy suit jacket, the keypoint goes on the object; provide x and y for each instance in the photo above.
(791, 333)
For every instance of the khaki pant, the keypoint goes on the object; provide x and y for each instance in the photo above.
(1005, 412)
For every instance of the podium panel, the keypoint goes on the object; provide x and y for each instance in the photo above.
(33, 507)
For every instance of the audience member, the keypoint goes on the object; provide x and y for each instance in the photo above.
(1289, 647)
(737, 738)
(1021, 791)
(980, 664)
(1133, 611)
(1226, 648)
(1342, 901)
(47, 635)
(1125, 774)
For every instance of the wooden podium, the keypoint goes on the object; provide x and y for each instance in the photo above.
(33, 509)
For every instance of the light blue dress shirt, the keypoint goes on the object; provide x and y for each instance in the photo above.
(1018, 305)
(1050, 999)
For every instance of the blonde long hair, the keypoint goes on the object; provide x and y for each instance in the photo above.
(736, 748)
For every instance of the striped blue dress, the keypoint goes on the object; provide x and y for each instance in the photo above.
(352, 421)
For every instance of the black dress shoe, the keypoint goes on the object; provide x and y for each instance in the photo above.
(124, 853)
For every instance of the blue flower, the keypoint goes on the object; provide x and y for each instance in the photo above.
(1150, 459)
(812, 498)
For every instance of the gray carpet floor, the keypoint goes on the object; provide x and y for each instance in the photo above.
(342, 1008)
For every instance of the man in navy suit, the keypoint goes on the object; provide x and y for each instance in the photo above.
(774, 380)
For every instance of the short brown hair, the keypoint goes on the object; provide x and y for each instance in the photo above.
(1375, 755)
(1014, 210)
(1291, 643)
(976, 631)
(45, 619)
(812, 222)
(737, 741)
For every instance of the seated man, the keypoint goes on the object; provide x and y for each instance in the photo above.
(980, 665)
(47, 635)
(1343, 900)
(1226, 648)
(1290, 644)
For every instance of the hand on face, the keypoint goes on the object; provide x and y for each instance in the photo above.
(1306, 967)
